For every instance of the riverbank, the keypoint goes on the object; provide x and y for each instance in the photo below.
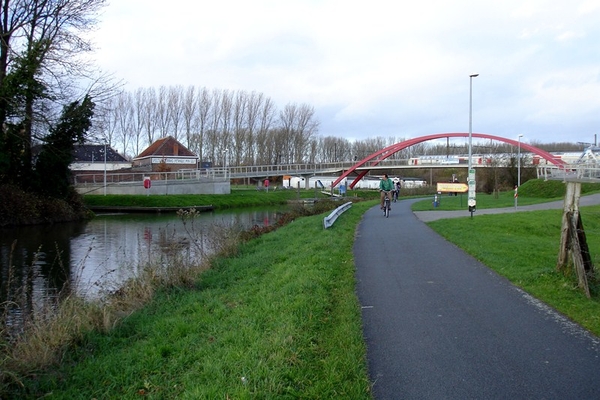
(18, 207)
(240, 197)
(277, 319)
(159, 210)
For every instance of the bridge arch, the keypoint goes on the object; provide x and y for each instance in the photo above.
(378, 156)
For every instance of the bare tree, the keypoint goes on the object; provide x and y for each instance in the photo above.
(363, 148)
(299, 126)
(255, 102)
(138, 119)
(225, 142)
(124, 114)
(175, 107)
(163, 111)
(333, 149)
(266, 122)
(240, 144)
(202, 121)
(189, 111)
(149, 113)
(106, 118)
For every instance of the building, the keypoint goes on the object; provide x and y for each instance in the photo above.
(91, 158)
(165, 155)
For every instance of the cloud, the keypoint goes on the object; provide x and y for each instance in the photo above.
(374, 68)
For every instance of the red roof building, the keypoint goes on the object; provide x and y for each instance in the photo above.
(166, 155)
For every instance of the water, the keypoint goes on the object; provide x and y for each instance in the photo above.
(91, 257)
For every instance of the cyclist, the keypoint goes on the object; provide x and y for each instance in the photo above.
(386, 185)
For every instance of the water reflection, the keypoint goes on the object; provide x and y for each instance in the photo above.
(90, 257)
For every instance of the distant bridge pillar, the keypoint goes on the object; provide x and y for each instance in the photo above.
(306, 181)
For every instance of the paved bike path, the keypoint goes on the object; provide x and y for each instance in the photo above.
(440, 325)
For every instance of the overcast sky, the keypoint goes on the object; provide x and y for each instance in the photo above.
(376, 68)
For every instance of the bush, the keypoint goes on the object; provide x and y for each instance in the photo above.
(18, 207)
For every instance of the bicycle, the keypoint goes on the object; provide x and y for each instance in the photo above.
(395, 195)
(386, 204)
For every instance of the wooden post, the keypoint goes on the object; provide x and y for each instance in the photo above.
(573, 239)
(563, 251)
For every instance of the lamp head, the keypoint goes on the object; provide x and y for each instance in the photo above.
(473, 75)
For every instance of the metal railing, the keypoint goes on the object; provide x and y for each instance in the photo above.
(115, 178)
(331, 218)
(570, 172)
(82, 178)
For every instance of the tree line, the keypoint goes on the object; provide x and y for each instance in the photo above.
(243, 127)
(247, 128)
(237, 127)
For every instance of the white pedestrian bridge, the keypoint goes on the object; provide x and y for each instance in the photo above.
(98, 182)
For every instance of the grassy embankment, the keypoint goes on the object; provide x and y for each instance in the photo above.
(280, 318)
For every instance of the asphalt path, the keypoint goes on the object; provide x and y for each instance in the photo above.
(438, 324)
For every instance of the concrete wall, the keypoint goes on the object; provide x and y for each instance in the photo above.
(158, 188)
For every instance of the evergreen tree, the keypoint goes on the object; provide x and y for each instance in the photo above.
(53, 177)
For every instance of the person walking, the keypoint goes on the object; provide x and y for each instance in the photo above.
(397, 190)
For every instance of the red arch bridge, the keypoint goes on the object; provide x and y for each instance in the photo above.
(377, 157)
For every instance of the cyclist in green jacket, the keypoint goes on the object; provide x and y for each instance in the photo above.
(386, 185)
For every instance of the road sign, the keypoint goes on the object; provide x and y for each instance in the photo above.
(452, 187)
(472, 202)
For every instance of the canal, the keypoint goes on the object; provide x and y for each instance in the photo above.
(94, 257)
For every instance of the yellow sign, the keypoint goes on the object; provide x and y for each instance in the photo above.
(452, 187)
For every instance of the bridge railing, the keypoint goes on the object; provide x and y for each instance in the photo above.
(249, 171)
(82, 178)
(306, 168)
(286, 169)
(570, 172)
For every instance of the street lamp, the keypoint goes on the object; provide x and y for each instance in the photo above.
(225, 155)
(471, 115)
(518, 170)
(519, 164)
(105, 167)
(471, 177)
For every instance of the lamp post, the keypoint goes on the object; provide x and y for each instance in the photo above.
(518, 170)
(225, 154)
(105, 167)
(470, 173)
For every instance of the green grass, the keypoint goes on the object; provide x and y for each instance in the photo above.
(534, 191)
(278, 320)
(239, 197)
